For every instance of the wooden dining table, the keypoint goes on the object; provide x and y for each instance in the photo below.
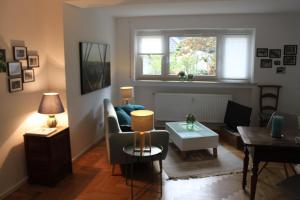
(261, 146)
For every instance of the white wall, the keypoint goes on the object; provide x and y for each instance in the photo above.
(27, 22)
(85, 111)
(272, 31)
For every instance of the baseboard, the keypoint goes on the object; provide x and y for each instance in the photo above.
(88, 147)
(13, 188)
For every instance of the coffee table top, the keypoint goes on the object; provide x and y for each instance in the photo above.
(199, 130)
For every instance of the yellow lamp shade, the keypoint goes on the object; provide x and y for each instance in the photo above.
(142, 120)
(126, 92)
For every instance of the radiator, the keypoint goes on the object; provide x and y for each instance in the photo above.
(205, 107)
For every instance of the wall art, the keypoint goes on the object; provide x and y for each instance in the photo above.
(289, 60)
(20, 52)
(290, 50)
(14, 69)
(274, 53)
(262, 52)
(33, 61)
(266, 63)
(2, 60)
(15, 84)
(28, 75)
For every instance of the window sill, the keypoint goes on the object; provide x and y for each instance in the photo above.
(204, 84)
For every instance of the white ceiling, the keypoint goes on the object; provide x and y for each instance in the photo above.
(123, 8)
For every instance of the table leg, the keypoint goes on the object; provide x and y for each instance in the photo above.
(215, 152)
(254, 179)
(131, 177)
(126, 174)
(245, 170)
(160, 166)
(160, 161)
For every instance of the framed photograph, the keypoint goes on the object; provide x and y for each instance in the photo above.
(14, 69)
(2, 61)
(33, 61)
(289, 60)
(28, 75)
(15, 84)
(266, 63)
(24, 64)
(262, 52)
(20, 53)
(280, 70)
(290, 50)
(274, 53)
(277, 62)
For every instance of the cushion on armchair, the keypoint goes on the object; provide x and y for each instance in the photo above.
(123, 117)
(128, 108)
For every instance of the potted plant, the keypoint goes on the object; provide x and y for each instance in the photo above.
(190, 77)
(190, 119)
(181, 75)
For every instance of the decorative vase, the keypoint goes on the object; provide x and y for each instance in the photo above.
(190, 119)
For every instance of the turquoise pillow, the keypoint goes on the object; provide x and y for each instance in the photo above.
(123, 117)
(128, 108)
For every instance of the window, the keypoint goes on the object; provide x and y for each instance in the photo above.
(207, 54)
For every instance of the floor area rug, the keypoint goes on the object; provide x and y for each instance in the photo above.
(200, 163)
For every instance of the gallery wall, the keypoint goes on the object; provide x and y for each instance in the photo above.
(85, 111)
(272, 31)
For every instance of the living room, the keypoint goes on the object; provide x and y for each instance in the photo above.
(53, 30)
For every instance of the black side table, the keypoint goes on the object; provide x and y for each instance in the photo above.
(134, 157)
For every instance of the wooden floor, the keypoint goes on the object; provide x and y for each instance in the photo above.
(92, 180)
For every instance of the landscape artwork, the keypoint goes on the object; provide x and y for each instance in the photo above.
(94, 66)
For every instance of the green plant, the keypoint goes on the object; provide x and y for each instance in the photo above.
(190, 118)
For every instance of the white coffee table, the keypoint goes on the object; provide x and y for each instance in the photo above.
(200, 137)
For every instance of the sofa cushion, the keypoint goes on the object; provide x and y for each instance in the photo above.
(123, 117)
(128, 108)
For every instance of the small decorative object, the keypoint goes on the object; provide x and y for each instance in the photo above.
(277, 62)
(181, 75)
(277, 122)
(51, 105)
(289, 60)
(20, 52)
(262, 52)
(275, 53)
(266, 63)
(28, 75)
(2, 61)
(14, 69)
(94, 66)
(280, 70)
(190, 119)
(142, 122)
(24, 64)
(15, 84)
(190, 77)
(33, 61)
(290, 50)
(126, 94)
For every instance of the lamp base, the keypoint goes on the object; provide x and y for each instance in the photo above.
(51, 122)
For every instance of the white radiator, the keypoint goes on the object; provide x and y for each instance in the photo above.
(205, 107)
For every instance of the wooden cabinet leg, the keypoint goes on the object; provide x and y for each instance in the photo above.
(215, 152)
(245, 169)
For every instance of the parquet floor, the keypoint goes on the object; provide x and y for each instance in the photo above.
(92, 180)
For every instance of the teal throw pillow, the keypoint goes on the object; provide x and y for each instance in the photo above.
(128, 108)
(123, 117)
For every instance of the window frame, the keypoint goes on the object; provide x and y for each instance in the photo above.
(166, 34)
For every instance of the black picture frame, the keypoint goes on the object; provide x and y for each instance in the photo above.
(266, 63)
(14, 69)
(280, 70)
(15, 84)
(275, 53)
(262, 52)
(3, 64)
(289, 60)
(33, 61)
(290, 50)
(277, 62)
(24, 64)
(20, 52)
(94, 66)
(28, 75)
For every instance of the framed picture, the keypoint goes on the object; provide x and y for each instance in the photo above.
(262, 52)
(290, 50)
(15, 84)
(20, 53)
(277, 62)
(24, 64)
(2, 61)
(275, 53)
(14, 69)
(280, 70)
(28, 75)
(289, 60)
(266, 63)
(33, 61)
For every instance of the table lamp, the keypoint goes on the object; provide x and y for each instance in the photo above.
(126, 93)
(51, 105)
(142, 122)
